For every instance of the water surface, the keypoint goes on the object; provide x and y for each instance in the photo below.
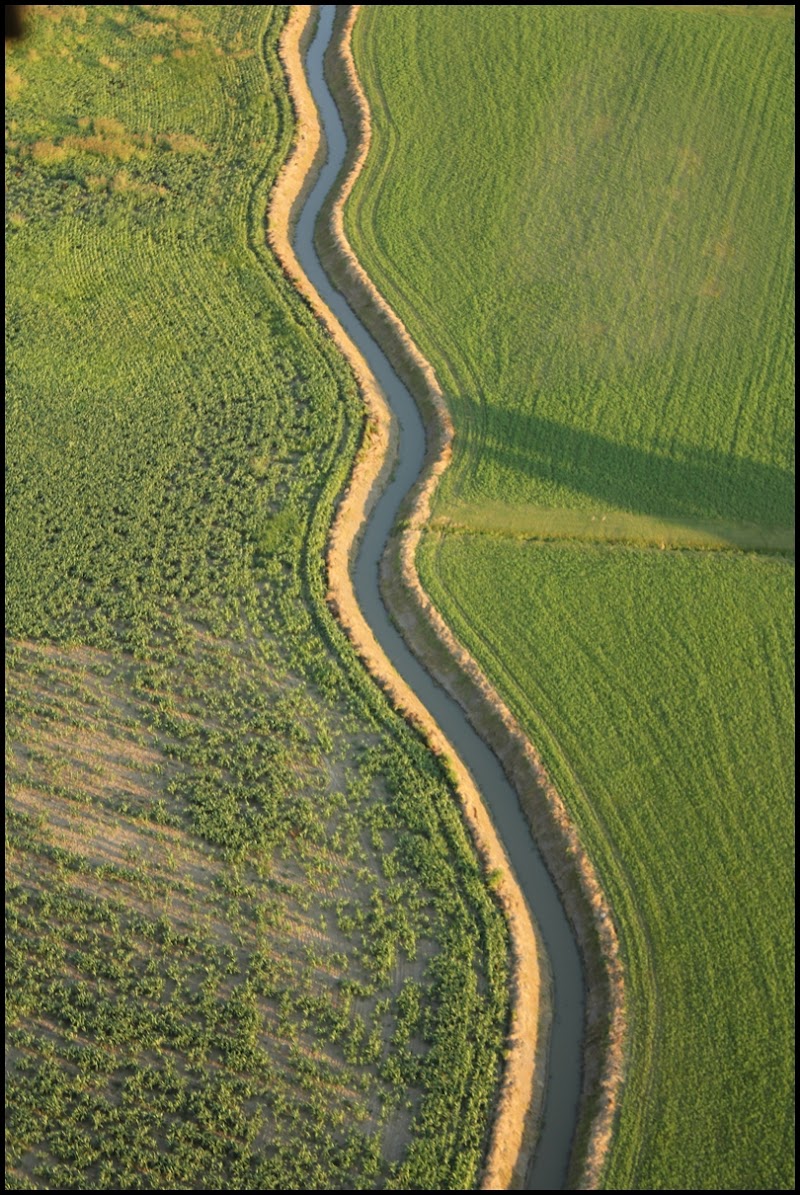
(548, 1169)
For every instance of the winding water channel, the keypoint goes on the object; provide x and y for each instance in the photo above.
(549, 1167)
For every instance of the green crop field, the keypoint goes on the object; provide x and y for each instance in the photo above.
(589, 224)
(660, 688)
(249, 944)
(584, 216)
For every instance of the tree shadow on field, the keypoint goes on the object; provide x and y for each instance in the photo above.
(684, 483)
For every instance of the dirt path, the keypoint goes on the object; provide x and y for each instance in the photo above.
(515, 1128)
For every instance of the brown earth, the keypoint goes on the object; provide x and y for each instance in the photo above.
(86, 769)
(516, 1125)
(372, 468)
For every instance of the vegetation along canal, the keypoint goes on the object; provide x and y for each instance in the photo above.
(549, 1167)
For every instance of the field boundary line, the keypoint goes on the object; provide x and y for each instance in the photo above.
(434, 643)
(612, 528)
(373, 466)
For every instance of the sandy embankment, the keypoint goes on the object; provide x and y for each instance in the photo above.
(514, 1130)
(431, 638)
(373, 465)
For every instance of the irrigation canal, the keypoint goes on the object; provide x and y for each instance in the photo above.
(548, 1168)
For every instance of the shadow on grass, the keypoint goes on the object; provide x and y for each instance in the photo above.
(684, 483)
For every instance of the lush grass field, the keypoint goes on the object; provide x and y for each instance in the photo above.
(584, 216)
(249, 943)
(660, 688)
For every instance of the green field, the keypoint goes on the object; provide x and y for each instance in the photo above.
(249, 944)
(583, 214)
(589, 225)
(660, 688)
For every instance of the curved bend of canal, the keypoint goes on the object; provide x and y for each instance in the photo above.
(548, 1168)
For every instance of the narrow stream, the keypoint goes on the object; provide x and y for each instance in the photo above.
(549, 1167)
